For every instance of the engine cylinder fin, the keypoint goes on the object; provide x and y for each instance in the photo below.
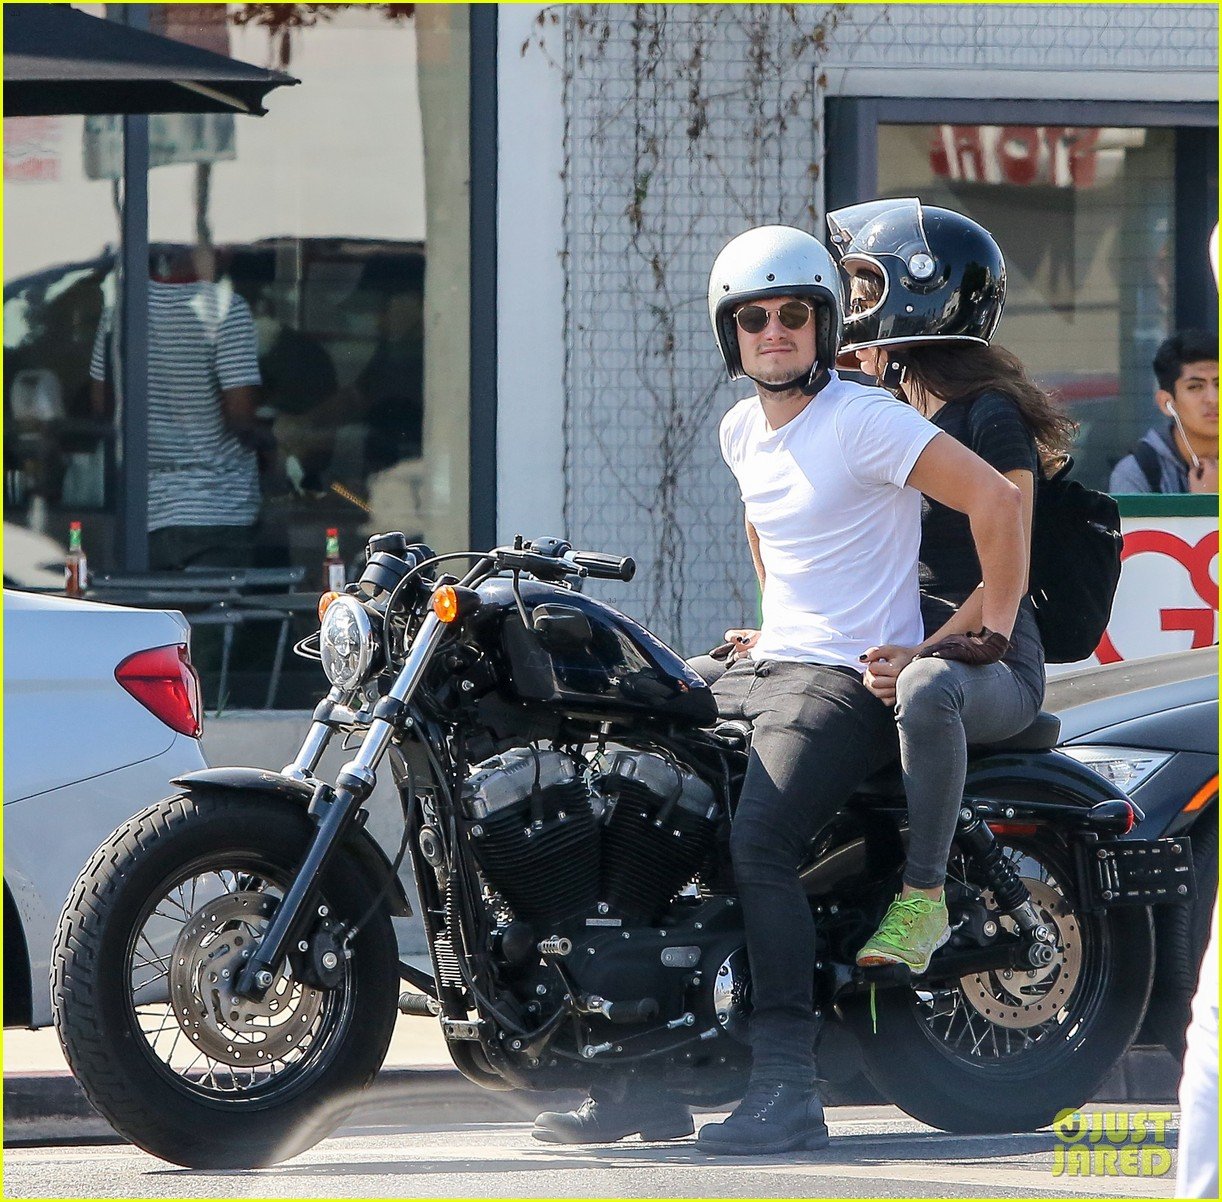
(644, 863)
(546, 869)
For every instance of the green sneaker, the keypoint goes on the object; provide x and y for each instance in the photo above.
(912, 929)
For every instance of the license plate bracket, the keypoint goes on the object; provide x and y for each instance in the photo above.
(1137, 872)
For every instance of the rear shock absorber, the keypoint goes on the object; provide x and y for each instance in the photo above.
(975, 837)
(1012, 896)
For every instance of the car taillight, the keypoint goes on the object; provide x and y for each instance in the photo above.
(165, 682)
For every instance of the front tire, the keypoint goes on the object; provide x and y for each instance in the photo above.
(994, 1054)
(157, 923)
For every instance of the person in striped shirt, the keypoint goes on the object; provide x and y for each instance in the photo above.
(203, 381)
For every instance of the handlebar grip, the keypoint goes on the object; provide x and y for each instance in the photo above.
(605, 567)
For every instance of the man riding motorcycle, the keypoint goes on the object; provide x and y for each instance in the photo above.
(830, 473)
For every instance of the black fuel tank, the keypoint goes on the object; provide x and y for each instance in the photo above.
(586, 658)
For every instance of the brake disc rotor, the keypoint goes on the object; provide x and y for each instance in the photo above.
(210, 952)
(1026, 997)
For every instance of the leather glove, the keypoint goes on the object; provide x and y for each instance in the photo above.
(985, 646)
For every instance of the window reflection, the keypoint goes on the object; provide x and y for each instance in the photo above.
(317, 216)
(339, 221)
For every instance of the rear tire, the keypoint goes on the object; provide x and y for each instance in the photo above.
(188, 882)
(940, 1059)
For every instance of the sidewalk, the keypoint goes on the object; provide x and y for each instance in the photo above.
(416, 1043)
(44, 1105)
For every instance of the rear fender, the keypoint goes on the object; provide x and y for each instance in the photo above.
(866, 849)
(1039, 776)
(274, 788)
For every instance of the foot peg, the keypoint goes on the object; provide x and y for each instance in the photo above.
(419, 1005)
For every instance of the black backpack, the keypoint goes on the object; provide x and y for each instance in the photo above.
(1075, 565)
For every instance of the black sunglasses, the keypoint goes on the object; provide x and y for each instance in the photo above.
(794, 315)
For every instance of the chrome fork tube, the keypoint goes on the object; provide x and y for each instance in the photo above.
(377, 739)
(354, 784)
(314, 744)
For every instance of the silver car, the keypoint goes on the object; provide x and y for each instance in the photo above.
(102, 707)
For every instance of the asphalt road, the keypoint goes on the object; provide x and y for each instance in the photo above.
(876, 1152)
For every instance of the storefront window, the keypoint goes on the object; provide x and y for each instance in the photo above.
(312, 236)
(1085, 217)
(62, 229)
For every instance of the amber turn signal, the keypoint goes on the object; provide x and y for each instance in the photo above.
(451, 602)
(445, 604)
(325, 602)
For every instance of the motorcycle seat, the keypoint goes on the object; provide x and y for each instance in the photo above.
(1041, 735)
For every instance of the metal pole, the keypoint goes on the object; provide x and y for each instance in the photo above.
(483, 99)
(132, 369)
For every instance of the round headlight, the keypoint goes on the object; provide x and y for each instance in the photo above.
(346, 642)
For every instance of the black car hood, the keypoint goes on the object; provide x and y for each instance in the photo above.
(1164, 701)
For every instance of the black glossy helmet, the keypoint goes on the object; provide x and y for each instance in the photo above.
(914, 274)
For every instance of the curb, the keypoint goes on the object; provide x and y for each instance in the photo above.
(49, 1108)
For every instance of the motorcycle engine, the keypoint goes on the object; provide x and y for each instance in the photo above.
(616, 840)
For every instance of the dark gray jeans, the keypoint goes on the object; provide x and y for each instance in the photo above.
(818, 732)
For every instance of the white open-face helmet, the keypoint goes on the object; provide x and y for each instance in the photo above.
(775, 260)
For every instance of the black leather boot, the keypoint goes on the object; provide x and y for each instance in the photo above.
(772, 1117)
(604, 1122)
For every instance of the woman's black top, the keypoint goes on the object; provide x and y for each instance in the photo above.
(993, 426)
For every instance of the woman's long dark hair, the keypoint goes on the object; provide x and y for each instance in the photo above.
(958, 371)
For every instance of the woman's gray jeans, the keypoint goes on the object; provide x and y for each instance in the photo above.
(941, 707)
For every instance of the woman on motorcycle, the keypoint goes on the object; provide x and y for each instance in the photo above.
(926, 288)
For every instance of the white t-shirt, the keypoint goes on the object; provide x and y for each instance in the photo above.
(839, 531)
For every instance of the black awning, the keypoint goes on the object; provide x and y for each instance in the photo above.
(60, 60)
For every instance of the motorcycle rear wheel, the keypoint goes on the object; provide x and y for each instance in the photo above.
(991, 1053)
(158, 923)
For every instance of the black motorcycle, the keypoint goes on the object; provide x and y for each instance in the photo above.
(226, 975)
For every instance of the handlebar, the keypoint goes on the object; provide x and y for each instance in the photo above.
(553, 558)
(605, 567)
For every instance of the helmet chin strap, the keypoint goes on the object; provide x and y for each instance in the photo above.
(811, 382)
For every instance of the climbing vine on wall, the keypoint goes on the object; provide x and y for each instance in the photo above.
(684, 124)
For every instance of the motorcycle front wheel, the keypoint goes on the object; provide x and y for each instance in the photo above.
(1007, 1050)
(158, 925)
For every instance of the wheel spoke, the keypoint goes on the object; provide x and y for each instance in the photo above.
(246, 1045)
(1002, 1015)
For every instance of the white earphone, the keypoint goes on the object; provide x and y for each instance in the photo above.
(1179, 425)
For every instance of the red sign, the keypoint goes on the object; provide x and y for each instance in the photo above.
(1063, 156)
(1197, 620)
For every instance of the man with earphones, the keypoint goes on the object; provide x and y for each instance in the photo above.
(1180, 455)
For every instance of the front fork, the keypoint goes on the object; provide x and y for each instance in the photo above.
(336, 808)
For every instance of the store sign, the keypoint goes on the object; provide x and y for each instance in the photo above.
(173, 138)
(1061, 156)
(1168, 594)
(31, 149)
